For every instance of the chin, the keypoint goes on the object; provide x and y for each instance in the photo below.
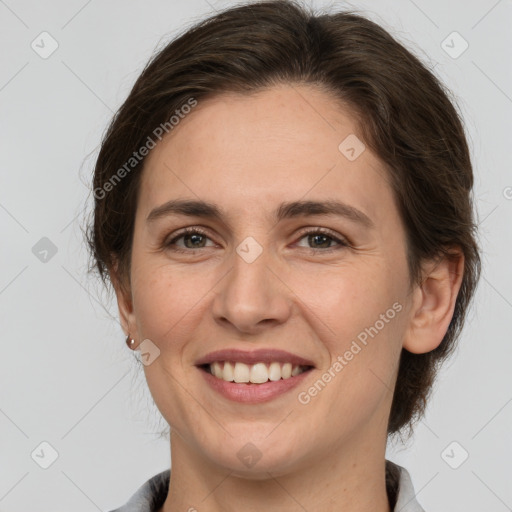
(254, 461)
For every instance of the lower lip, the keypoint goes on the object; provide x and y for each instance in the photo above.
(253, 393)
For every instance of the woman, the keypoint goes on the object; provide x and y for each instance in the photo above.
(283, 207)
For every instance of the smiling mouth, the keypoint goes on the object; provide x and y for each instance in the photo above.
(258, 373)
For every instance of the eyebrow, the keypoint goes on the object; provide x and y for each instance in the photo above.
(286, 210)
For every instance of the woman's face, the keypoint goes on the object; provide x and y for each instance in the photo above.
(253, 279)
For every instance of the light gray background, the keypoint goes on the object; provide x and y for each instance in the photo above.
(66, 376)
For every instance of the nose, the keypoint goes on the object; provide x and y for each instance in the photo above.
(252, 296)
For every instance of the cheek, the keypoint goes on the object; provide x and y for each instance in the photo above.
(164, 300)
(346, 298)
(358, 321)
(171, 303)
(357, 314)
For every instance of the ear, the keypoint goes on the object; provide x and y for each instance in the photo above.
(124, 300)
(434, 303)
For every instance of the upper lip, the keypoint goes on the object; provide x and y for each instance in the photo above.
(262, 355)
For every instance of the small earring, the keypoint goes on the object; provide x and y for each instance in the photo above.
(130, 342)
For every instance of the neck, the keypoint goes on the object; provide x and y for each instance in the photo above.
(350, 478)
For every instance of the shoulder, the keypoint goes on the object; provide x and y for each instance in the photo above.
(405, 494)
(150, 496)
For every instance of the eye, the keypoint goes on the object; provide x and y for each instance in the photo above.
(194, 238)
(321, 238)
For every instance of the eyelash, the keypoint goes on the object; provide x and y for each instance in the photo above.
(343, 243)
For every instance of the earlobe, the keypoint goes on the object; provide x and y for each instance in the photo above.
(434, 303)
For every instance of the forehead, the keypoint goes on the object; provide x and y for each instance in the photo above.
(281, 143)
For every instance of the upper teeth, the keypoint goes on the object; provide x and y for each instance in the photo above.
(256, 373)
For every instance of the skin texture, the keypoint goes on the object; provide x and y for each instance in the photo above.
(303, 294)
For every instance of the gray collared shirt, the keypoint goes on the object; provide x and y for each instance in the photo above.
(150, 496)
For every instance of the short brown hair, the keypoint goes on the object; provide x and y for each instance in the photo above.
(403, 112)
